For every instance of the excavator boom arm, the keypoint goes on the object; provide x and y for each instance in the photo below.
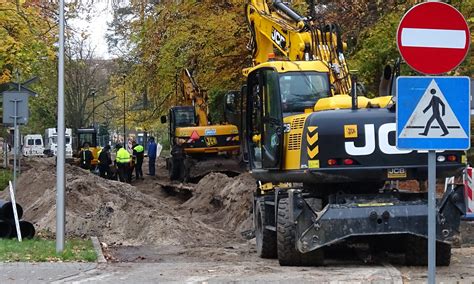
(279, 29)
(193, 95)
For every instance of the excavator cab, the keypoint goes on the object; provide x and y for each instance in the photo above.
(180, 116)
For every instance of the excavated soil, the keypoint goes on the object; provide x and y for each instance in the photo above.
(223, 201)
(137, 214)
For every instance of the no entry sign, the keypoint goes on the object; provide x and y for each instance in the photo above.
(433, 38)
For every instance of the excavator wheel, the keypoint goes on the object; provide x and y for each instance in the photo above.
(288, 255)
(416, 252)
(266, 239)
(174, 169)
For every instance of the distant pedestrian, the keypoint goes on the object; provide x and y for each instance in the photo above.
(151, 156)
(86, 156)
(138, 153)
(104, 162)
(123, 163)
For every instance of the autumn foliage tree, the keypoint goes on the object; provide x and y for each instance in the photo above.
(210, 37)
(206, 36)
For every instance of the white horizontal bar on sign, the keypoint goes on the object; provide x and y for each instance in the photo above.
(433, 38)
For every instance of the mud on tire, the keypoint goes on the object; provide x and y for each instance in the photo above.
(416, 252)
(288, 255)
(266, 239)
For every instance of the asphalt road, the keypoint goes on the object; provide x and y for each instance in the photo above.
(255, 270)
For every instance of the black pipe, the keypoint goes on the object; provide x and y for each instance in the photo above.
(6, 210)
(279, 5)
(5, 229)
(26, 228)
(312, 9)
(354, 93)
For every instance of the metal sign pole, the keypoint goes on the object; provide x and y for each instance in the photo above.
(60, 177)
(17, 130)
(431, 216)
(15, 143)
(19, 150)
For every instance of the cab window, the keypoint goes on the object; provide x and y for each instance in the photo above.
(301, 90)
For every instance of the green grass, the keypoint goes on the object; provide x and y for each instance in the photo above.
(5, 176)
(41, 250)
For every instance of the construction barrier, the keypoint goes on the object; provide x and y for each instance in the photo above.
(469, 193)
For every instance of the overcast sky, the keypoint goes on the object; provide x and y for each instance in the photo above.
(96, 27)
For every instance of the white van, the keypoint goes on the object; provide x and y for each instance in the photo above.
(33, 145)
(51, 142)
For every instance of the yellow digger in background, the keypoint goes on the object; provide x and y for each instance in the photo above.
(198, 147)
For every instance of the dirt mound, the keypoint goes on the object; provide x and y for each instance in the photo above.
(223, 201)
(113, 211)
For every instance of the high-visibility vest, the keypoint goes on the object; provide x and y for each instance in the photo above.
(138, 148)
(98, 154)
(123, 156)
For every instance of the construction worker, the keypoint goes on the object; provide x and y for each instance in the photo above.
(104, 162)
(138, 153)
(86, 156)
(151, 156)
(123, 163)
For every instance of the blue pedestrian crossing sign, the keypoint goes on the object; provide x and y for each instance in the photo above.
(433, 113)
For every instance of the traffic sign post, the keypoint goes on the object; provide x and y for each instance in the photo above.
(15, 113)
(433, 38)
(433, 113)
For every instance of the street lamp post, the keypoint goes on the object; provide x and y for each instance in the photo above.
(124, 131)
(93, 107)
(60, 164)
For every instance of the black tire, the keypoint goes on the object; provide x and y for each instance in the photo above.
(288, 255)
(174, 169)
(266, 239)
(416, 253)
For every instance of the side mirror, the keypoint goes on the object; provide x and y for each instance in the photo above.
(385, 80)
(163, 119)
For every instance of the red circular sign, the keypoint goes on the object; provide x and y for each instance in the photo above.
(433, 38)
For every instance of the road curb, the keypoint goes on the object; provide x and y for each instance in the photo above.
(98, 250)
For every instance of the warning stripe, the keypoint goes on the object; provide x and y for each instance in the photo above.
(312, 138)
(468, 190)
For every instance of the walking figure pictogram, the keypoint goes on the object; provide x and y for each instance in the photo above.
(435, 105)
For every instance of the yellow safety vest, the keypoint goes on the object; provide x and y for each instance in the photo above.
(139, 148)
(123, 156)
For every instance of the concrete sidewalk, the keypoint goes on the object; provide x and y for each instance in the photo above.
(41, 272)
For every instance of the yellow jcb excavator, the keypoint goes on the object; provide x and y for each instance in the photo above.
(324, 156)
(197, 146)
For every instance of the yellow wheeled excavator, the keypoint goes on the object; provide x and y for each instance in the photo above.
(324, 156)
(198, 147)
